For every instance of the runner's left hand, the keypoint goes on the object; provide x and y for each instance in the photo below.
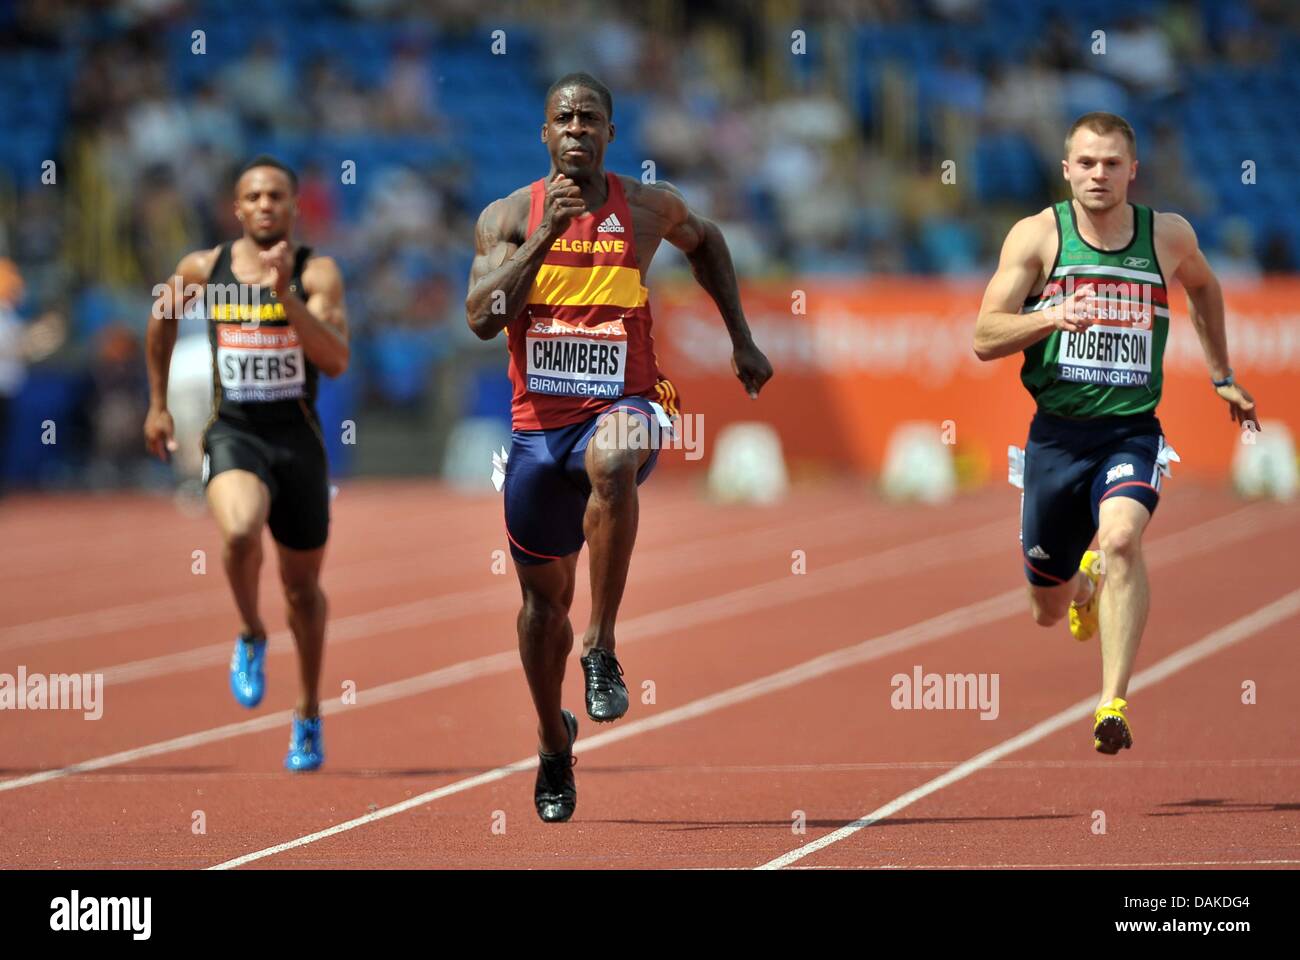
(277, 267)
(751, 366)
(1241, 405)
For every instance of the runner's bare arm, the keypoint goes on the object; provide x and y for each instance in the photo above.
(1205, 307)
(170, 301)
(324, 330)
(499, 280)
(1204, 295)
(505, 261)
(168, 308)
(320, 321)
(1002, 330)
(710, 260)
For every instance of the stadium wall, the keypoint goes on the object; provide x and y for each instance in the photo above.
(864, 356)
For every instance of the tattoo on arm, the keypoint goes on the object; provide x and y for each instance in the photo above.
(505, 265)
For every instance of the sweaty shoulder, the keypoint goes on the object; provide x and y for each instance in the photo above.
(1176, 247)
(660, 196)
(319, 271)
(507, 218)
(197, 266)
(1174, 230)
(1032, 239)
(1041, 226)
(659, 207)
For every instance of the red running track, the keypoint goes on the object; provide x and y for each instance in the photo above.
(770, 729)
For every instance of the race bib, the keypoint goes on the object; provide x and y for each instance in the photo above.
(260, 365)
(1111, 355)
(572, 361)
(1116, 350)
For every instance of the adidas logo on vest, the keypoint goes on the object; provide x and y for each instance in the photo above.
(610, 225)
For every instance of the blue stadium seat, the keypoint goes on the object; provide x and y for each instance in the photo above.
(47, 394)
(949, 246)
(1006, 168)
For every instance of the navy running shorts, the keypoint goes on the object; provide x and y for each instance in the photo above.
(1071, 466)
(546, 485)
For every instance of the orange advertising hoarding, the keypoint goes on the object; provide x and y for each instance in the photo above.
(853, 359)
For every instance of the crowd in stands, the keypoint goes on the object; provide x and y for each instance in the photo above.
(814, 132)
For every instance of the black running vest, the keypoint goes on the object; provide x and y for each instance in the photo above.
(260, 372)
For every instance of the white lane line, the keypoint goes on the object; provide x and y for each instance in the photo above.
(652, 566)
(1203, 537)
(136, 529)
(371, 623)
(1279, 610)
(380, 773)
(500, 773)
(851, 573)
(447, 676)
(343, 579)
(890, 766)
(946, 624)
(340, 580)
(196, 605)
(1048, 866)
(1211, 534)
(177, 607)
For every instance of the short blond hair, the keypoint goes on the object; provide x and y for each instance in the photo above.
(1103, 123)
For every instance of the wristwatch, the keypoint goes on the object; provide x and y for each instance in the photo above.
(1226, 381)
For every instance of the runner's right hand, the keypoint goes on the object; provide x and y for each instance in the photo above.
(563, 203)
(159, 433)
(1076, 312)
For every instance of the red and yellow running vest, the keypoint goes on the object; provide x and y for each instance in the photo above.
(583, 338)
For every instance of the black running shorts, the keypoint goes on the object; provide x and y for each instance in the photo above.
(290, 459)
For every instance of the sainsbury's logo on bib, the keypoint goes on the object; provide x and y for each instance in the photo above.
(260, 365)
(576, 361)
(1116, 350)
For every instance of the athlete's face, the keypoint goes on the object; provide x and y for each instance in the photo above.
(576, 132)
(1099, 169)
(266, 204)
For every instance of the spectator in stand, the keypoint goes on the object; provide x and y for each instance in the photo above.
(20, 345)
(1139, 54)
(261, 87)
(408, 103)
(119, 402)
(163, 225)
(1234, 261)
(317, 209)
